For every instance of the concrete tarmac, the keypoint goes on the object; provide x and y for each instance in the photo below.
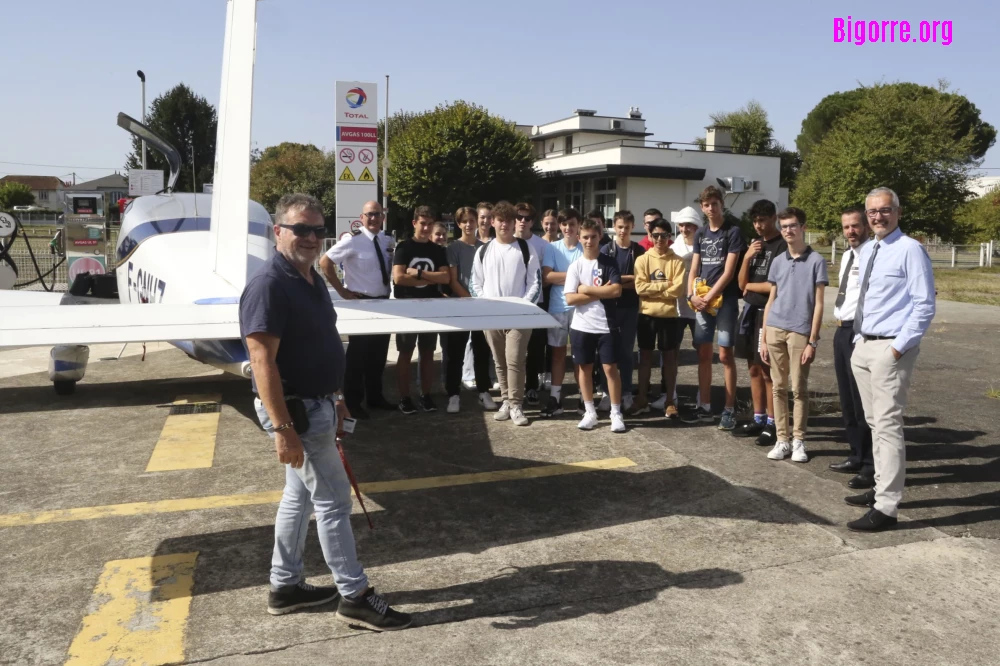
(679, 544)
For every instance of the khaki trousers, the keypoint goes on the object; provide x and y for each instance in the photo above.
(510, 349)
(883, 383)
(784, 349)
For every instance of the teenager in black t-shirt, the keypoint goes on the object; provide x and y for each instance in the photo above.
(753, 282)
(419, 267)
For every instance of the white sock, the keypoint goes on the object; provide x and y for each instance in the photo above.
(555, 392)
(707, 406)
(616, 408)
(589, 406)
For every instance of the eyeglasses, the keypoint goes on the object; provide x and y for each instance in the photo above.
(789, 227)
(660, 236)
(303, 230)
(373, 216)
(524, 218)
(886, 211)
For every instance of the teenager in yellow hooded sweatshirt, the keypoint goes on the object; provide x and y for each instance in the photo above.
(659, 281)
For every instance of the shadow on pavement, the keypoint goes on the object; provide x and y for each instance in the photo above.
(542, 590)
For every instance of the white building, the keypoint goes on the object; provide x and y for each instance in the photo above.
(48, 190)
(979, 186)
(589, 161)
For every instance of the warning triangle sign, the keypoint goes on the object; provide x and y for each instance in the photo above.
(366, 176)
(347, 175)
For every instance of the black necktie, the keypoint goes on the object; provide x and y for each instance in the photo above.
(842, 293)
(381, 261)
(859, 314)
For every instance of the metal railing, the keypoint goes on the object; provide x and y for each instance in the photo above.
(47, 260)
(943, 255)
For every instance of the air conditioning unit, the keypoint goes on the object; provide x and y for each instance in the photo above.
(616, 124)
(736, 184)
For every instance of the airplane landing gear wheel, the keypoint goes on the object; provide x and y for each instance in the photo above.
(64, 387)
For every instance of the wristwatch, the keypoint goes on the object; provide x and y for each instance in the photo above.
(814, 345)
(338, 397)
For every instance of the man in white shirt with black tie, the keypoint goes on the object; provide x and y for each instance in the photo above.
(860, 462)
(367, 262)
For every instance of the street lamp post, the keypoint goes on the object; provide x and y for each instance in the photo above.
(142, 77)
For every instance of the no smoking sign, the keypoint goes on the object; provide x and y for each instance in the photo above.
(347, 155)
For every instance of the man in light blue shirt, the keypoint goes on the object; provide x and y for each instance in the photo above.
(895, 309)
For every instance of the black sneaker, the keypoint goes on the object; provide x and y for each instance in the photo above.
(698, 415)
(371, 611)
(291, 598)
(427, 404)
(749, 429)
(406, 405)
(768, 436)
(531, 397)
(552, 408)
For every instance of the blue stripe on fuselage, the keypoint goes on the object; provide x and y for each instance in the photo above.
(133, 238)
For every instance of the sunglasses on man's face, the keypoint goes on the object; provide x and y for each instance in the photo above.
(303, 230)
(523, 218)
(660, 236)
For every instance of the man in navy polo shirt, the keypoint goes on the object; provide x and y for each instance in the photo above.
(289, 328)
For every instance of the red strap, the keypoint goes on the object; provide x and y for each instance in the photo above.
(354, 483)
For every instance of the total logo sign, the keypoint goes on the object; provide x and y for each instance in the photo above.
(356, 99)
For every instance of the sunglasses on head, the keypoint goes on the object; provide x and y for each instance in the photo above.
(660, 235)
(303, 230)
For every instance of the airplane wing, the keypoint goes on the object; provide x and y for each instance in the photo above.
(46, 325)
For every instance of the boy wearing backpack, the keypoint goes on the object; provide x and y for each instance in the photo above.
(507, 266)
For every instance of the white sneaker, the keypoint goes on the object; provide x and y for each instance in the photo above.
(799, 451)
(617, 423)
(453, 404)
(518, 417)
(660, 403)
(605, 404)
(588, 422)
(470, 384)
(496, 386)
(504, 413)
(486, 400)
(780, 451)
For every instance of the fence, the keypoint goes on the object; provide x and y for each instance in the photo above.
(942, 255)
(47, 261)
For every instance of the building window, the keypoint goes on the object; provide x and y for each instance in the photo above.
(573, 194)
(605, 196)
(43, 195)
(569, 144)
(550, 195)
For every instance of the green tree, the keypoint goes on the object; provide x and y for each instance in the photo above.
(980, 218)
(15, 194)
(184, 120)
(891, 139)
(294, 167)
(456, 155)
(831, 108)
(752, 134)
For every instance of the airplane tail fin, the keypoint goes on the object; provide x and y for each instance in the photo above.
(231, 189)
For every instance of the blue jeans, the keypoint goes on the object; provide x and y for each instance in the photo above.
(320, 485)
(627, 320)
(725, 322)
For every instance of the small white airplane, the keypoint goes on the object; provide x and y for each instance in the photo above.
(180, 271)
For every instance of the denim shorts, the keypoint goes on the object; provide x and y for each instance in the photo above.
(557, 336)
(724, 322)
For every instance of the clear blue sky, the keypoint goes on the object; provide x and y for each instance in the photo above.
(529, 61)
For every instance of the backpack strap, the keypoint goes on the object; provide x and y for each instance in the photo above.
(525, 251)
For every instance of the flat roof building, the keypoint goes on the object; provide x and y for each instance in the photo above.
(589, 161)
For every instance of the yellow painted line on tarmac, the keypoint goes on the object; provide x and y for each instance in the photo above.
(272, 497)
(187, 441)
(137, 613)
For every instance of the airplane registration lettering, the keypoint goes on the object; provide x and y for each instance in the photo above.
(146, 286)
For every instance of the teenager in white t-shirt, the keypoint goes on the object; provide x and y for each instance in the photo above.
(593, 283)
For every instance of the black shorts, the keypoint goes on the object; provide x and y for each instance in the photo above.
(748, 338)
(427, 342)
(663, 332)
(591, 347)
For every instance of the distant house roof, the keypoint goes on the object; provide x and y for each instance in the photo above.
(114, 181)
(36, 182)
